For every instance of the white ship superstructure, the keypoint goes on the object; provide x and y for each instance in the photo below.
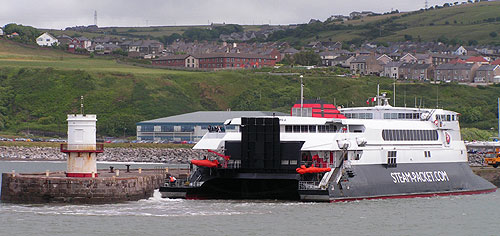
(379, 151)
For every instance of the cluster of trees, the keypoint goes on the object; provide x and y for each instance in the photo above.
(211, 34)
(304, 58)
(192, 34)
(27, 34)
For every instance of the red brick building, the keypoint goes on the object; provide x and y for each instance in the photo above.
(216, 61)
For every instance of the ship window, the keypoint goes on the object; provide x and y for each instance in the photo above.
(321, 128)
(293, 162)
(427, 154)
(312, 129)
(296, 128)
(387, 116)
(285, 162)
(288, 129)
(391, 153)
(304, 129)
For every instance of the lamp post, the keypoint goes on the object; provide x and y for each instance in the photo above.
(301, 95)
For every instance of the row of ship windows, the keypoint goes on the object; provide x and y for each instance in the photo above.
(399, 116)
(402, 116)
(447, 117)
(409, 135)
(359, 115)
(394, 154)
(310, 129)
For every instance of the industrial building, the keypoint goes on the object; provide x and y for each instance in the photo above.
(191, 126)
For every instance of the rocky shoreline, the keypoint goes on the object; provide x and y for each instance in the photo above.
(157, 155)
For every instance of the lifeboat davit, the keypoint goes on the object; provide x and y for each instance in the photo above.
(306, 170)
(205, 163)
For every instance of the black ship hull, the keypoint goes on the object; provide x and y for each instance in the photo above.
(366, 182)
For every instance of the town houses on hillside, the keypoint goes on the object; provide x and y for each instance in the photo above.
(214, 61)
(398, 60)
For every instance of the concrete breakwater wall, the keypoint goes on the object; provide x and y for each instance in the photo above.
(167, 155)
(490, 174)
(57, 188)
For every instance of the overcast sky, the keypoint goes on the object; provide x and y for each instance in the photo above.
(59, 14)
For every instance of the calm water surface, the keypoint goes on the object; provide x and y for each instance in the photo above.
(454, 215)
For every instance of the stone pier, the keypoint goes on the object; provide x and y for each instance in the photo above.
(37, 188)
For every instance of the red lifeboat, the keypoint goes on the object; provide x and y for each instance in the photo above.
(205, 163)
(307, 170)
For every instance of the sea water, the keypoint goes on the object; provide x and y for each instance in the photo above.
(451, 215)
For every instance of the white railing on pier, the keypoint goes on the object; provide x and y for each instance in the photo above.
(214, 135)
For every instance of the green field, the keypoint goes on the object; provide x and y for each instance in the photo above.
(463, 23)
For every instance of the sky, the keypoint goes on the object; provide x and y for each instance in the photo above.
(59, 14)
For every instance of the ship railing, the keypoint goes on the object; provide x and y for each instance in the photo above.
(309, 185)
(177, 183)
(232, 164)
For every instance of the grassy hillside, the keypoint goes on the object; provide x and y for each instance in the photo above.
(463, 23)
(36, 94)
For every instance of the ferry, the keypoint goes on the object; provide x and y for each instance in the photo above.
(321, 153)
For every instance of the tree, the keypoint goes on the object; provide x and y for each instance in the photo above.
(408, 37)
(493, 34)
(27, 34)
(307, 58)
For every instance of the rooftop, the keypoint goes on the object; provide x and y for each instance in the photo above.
(210, 116)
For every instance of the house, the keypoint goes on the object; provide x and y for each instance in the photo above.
(171, 61)
(459, 51)
(47, 40)
(290, 51)
(146, 47)
(13, 35)
(391, 69)
(327, 58)
(424, 58)
(214, 61)
(343, 61)
(438, 59)
(456, 72)
(384, 59)
(366, 65)
(83, 42)
(421, 72)
(1, 32)
(64, 39)
(496, 62)
(478, 59)
(408, 58)
(487, 73)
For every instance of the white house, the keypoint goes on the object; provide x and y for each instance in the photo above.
(46, 40)
(1, 32)
(460, 51)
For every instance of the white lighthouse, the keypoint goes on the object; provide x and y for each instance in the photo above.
(81, 148)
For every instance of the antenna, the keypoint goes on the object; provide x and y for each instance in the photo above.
(426, 4)
(95, 17)
(81, 105)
